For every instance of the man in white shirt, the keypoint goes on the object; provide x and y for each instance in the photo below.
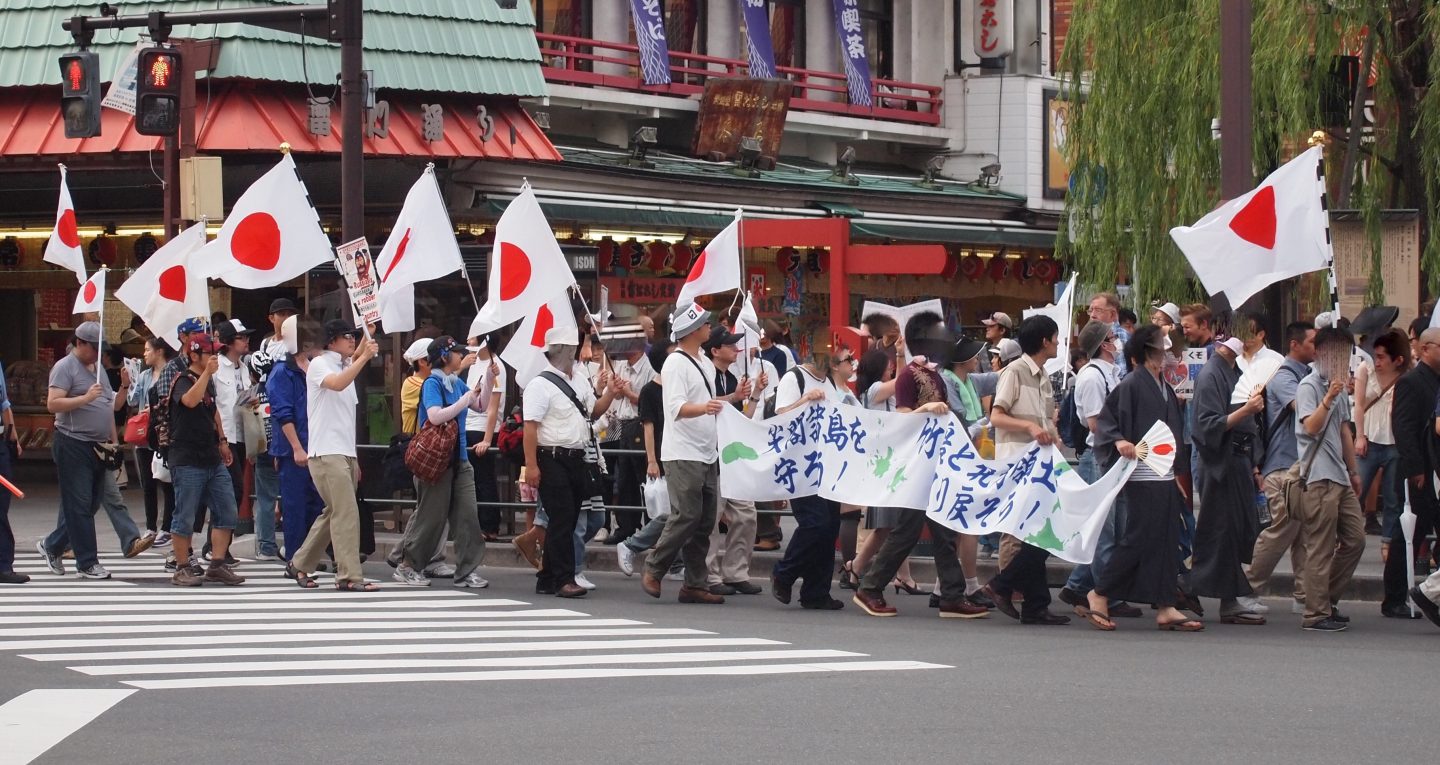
(1093, 384)
(556, 434)
(690, 457)
(629, 471)
(231, 381)
(1253, 337)
(810, 556)
(330, 407)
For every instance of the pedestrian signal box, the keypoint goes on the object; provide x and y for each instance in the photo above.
(80, 94)
(157, 92)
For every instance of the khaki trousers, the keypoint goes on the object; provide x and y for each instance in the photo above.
(729, 558)
(1282, 534)
(338, 526)
(1332, 531)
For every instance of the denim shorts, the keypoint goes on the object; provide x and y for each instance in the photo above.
(210, 485)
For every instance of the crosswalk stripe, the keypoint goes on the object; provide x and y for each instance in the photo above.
(386, 650)
(110, 670)
(65, 585)
(311, 606)
(141, 629)
(536, 674)
(191, 596)
(199, 614)
(35, 721)
(250, 640)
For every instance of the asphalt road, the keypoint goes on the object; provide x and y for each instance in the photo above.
(753, 680)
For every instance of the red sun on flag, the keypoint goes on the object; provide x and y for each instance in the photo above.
(544, 322)
(172, 284)
(1255, 223)
(697, 269)
(515, 271)
(68, 231)
(89, 292)
(399, 256)
(256, 241)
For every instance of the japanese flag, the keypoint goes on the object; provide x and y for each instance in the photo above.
(1063, 312)
(717, 269)
(526, 351)
(91, 297)
(63, 249)
(1277, 231)
(272, 234)
(527, 268)
(168, 289)
(421, 247)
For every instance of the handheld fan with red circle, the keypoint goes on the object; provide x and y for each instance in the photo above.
(1157, 448)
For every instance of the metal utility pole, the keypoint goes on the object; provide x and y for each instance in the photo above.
(347, 25)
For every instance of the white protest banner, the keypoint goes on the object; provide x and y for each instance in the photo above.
(355, 267)
(903, 314)
(121, 93)
(923, 462)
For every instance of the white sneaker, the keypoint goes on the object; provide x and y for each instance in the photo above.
(96, 571)
(268, 556)
(474, 580)
(409, 577)
(54, 562)
(1253, 605)
(1297, 607)
(626, 558)
(678, 575)
(162, 539)
(602, 535)
(583, 582)
(441, 570)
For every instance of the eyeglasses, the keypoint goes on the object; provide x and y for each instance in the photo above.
(846, 360)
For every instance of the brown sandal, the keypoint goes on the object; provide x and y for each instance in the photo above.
(301, 578)
(345, 585)
(1098, 620)
(1188, 625)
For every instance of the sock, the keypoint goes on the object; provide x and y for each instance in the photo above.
(972, 585)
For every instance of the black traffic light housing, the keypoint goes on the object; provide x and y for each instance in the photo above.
(80, 93)
(157, 91)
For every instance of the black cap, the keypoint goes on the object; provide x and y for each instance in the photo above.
(339, 327)
(279, 305)
(966, 350)
(719, 336)
(443, 346)
(227, 332)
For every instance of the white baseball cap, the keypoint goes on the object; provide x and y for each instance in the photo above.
(290, 334)
(687, 320)
(561, 336)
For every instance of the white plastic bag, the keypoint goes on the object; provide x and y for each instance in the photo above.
(657, 497)
(158, 469)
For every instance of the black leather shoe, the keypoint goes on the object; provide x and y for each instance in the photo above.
(722, 589)
(545, 589)
(823, 605)
(1398, 611)
(1046, 618)
(1337, 616)
(1072, 598)
(934, 600)
(782, 593)
(571, 591)
(1002, 601)
(1124, 610)
(746, 587)
(1426, 606)
(979, 598)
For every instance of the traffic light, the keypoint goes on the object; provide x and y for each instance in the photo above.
(80, 93)
(157, 92)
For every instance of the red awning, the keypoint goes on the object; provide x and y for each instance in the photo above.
(250, 116)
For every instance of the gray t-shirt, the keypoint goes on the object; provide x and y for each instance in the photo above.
(95, 420)
(1330, 462)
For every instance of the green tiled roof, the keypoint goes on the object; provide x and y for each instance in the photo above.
(791, 172)
(452, 46)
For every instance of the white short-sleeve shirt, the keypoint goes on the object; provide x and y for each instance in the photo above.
(688, 380)
(331, 412)
(561, 423)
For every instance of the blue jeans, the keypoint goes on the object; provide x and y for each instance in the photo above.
(1082, 579)
(267, 491)
(300, 501)
(1385, 456)
(586, 527)
(82, 486)
(210, 485)
(125, 528)
(647, 536)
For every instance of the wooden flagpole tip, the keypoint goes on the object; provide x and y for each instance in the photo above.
(1319, 138)
(285, 147)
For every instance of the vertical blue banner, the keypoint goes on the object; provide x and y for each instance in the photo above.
(757, 33)
(850, 35)
(650, 36)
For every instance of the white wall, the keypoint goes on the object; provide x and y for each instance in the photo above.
(1019, 130)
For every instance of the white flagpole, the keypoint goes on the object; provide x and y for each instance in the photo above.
(101, 312)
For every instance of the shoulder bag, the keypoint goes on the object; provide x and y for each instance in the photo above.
(432, 451)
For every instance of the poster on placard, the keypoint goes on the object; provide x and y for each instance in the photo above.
(357, 269)
(1182, 375)
(121, 93)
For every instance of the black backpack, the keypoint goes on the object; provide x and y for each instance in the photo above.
(1074, 430)
(769, 410)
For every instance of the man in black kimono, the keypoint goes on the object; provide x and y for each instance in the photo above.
(1141, 567)
(1412, 417)
(1226, 438)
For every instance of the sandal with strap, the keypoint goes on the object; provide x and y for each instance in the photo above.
(345, 585)
(301, 578)
(1187, 625)
(1098, 620)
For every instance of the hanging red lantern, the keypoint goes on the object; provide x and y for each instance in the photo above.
(972, 266)
(788, 260)
(1023, 270)
(817, 260)
(952, 265)
(605, 255)
(682, 256)
(999, 268)
(656, 253)
(1046, 270)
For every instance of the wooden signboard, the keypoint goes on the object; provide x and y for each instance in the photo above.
(1399, 262)
(732, 109)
